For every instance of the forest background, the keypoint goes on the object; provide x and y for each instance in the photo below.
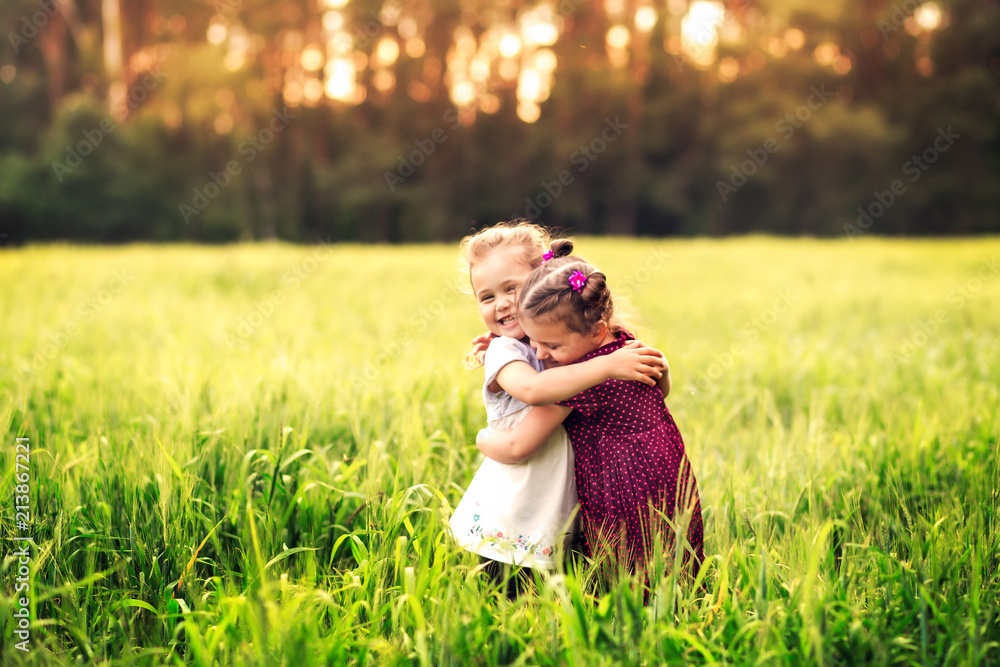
(192, 120)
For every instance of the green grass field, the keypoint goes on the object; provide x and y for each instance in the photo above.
(248, 455)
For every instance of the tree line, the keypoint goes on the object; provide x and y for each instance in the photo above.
(130, 121)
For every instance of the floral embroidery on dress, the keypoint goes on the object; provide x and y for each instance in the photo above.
(497, 539)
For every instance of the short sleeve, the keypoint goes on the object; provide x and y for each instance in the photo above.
(502, 351)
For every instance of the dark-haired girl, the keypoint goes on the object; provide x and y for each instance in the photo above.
(633, 476)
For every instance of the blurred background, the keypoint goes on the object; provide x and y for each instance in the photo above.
(415, 120)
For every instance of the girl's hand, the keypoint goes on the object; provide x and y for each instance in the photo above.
(636, 361)
(480, 343)
(474, 359)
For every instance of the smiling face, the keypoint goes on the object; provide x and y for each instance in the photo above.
(555, 342)
(496, 282)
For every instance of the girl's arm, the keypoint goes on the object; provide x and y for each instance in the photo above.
(521, 442)
(664, 381)
(633, 361)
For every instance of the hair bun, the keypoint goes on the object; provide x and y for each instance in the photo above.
(561, 247)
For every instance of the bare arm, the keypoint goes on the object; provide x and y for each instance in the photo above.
(664, 381)
(521, 442)
(634, 361)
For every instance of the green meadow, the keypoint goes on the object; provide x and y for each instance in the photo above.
(248, 455)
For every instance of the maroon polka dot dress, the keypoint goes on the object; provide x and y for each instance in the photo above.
(631, 470)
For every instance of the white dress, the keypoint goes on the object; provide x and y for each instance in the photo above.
(518, 513)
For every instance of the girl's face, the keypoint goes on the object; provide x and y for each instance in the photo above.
(555, 342)
(496, 282)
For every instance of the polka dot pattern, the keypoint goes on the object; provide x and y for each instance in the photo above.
(632, 473)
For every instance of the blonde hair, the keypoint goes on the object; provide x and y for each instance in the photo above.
(529, 239)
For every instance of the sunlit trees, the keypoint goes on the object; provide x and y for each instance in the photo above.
(518, 96)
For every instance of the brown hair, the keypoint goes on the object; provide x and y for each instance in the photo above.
(548, 292)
